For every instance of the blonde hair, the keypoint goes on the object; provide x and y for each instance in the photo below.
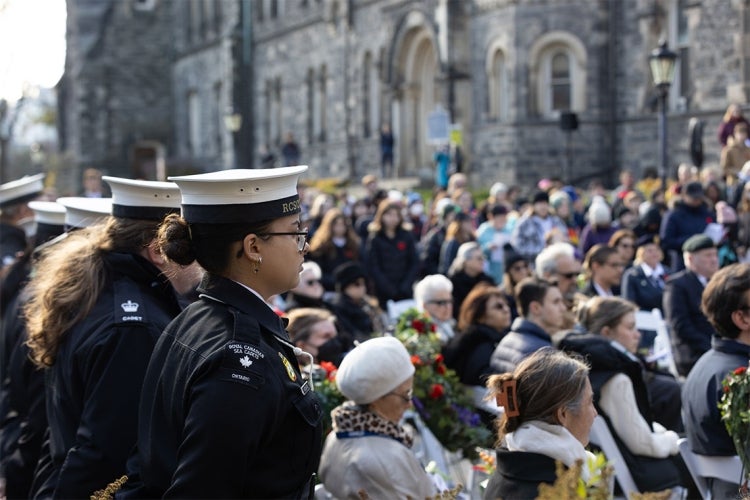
(70, 276)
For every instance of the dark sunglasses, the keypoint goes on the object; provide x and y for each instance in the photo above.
(441, 302)
(569, 276)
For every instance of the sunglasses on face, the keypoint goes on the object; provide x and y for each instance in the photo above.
(441, 303)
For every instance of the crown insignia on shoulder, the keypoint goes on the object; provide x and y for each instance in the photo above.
(130, 306)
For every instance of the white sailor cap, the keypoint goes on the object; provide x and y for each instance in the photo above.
(50, 220)
(21, 190)
(137, 199)
(240, 195)
(83, 212)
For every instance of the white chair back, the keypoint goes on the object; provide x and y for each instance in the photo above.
(601, 436)
(705, 467)
(662, 351)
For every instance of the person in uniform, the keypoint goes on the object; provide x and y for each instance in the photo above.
(14, 210)
(98, 301)
(23, 419)
(225, 412)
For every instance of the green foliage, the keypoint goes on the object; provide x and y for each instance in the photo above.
(735, 412)
(442, 401)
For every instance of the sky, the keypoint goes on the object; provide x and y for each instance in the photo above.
(32, 45)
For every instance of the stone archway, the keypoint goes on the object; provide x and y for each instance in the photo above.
(416, 66)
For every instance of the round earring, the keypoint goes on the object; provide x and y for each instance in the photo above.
(257, 264)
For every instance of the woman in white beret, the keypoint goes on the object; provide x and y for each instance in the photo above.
(368, 450)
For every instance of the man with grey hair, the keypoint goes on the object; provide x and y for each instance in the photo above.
(434, 295)
(558, 263)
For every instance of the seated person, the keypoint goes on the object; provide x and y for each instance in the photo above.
(726, 303)
(643, 283)
(542, 310)
(622, 394)
(309, 291)
(604, 267)
(484, 319)
(314, 331)
(434, 296)
(358, 315)
(466, 271)
(368, 450)
(548, 420)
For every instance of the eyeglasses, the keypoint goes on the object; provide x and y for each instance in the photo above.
(615, 264)
(311, 282)
(405, 397)
(500, 305)
(301, 237)
(569, 276)
(441, 302)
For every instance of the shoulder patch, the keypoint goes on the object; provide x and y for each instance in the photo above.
(130, 305)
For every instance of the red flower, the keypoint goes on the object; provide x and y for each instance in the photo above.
(440, 369)
(416, 360)
(439, 358)
(436, 391)
(330, 369)
(433, 327)
(726, 388)
(709, 220)
(740, 370)
(401, 245)
(418, 325)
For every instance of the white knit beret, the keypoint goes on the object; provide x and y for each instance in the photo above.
(373, 369)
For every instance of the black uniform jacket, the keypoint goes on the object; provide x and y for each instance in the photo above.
(225, 412)
(92, 390)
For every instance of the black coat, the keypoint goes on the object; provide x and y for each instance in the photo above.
(225, 412)
(462, 285)
(93, 389)
(469, 353)
(689, 328)
(637, 288)
(12, 241)
(393, 264)
(23, 418)
(519, 474)
(353, 320)
(328, 263)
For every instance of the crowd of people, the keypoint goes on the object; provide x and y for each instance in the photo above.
(141, 340)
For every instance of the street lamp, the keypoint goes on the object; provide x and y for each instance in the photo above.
(662, 62)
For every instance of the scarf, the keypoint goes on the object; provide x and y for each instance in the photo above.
(554, 441)
(351, 420)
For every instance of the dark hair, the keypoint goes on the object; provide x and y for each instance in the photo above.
(618, 235)
(545, 381)
(209, 244)
(530, 290)
(474, 306)
(376, 225)
(598, 254)
(724, 294)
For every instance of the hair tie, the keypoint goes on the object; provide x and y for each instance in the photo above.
(507, 398)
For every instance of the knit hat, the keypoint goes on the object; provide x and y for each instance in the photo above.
(373, 369)
(347, 273)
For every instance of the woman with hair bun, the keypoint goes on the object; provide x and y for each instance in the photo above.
(225, 412)
(549, 410)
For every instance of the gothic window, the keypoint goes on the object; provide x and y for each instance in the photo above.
(259, 10)
(218, 119)
(558, 70)
(310, 83)
(679, 42)
(498, 91)
(217, 18)
(321, 104)
(273, 11)
(268, 110)
(367, 70)
(194, 123)
(277, 110)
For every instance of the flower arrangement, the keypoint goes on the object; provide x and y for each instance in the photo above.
(570, 486)
(327, 391)
(735, 412)
(444, 404)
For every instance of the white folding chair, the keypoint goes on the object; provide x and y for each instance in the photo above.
(705, 467)
(601, 436)
(662, 350)
(397, 308)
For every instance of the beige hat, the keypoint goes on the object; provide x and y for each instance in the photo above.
(373, 369)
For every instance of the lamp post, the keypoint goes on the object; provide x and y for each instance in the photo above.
(662, 62)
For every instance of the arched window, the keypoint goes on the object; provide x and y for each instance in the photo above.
(366, 110)
(310, 82)
(558, 73)
(498, 83)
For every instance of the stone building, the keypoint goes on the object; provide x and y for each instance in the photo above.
(536, 87)
(331, 71)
